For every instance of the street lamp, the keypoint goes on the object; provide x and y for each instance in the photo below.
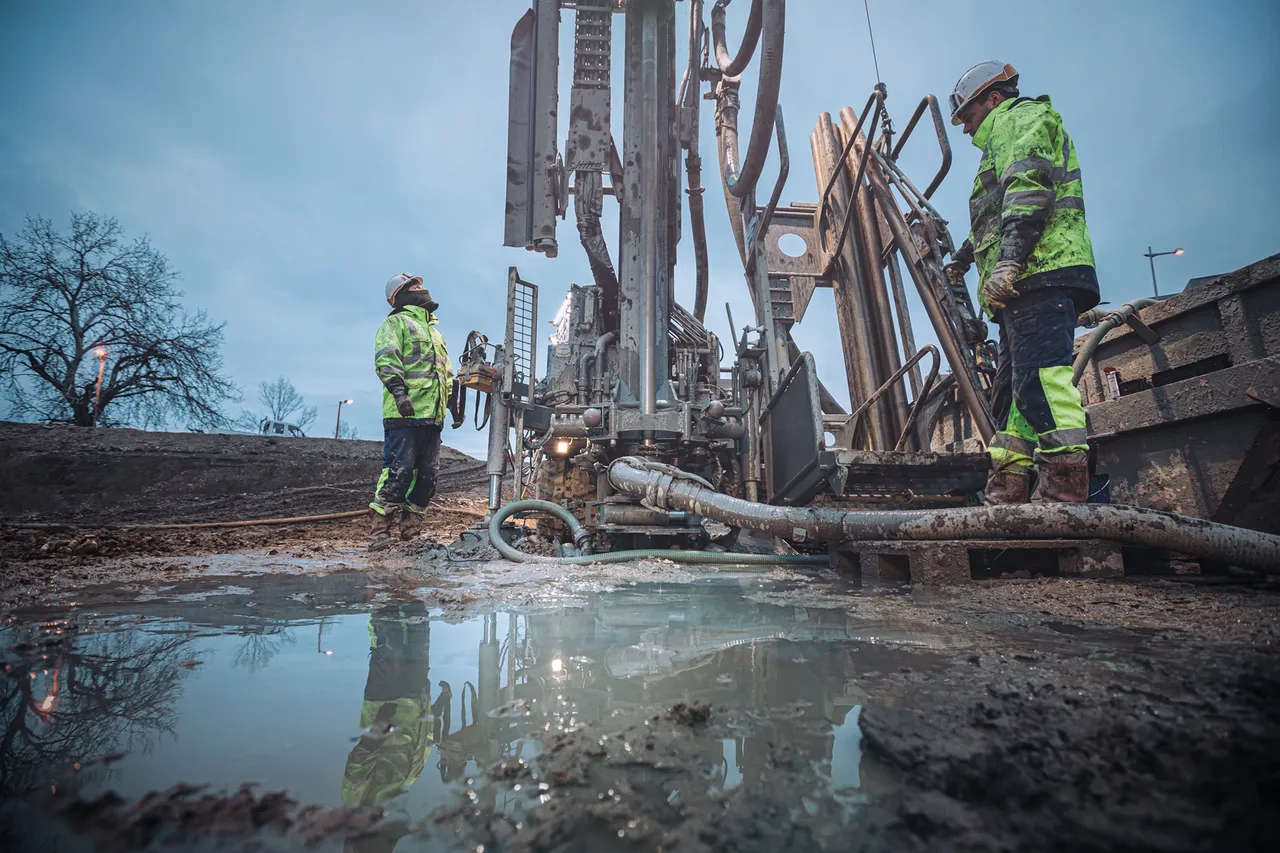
(101, 353)
(1151, 256)
(338, 426)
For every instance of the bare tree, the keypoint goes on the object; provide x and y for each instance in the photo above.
(283, 403)
(72, 303)
(346, 430)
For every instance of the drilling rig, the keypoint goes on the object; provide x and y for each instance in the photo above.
(642, 424)
(630, 372)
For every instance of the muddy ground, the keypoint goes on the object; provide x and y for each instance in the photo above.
(1096, 715)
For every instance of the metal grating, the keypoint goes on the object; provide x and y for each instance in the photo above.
(522, 317)
(593, 25)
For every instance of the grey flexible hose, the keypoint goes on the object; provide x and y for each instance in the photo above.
(732, 67)
(1125, 524)
(1108, 322)
(575, 527)
(740, 180)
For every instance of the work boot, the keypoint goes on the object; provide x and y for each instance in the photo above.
(1007, 484)
(380, 528)
(1064, 478)
(411, 523)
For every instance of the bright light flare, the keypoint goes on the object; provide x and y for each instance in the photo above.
(101, 352)
(47, 704)
(1178, 251)
(557, 665)
(562, 447)
(347, 402)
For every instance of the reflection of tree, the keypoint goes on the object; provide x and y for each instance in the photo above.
(262, 643)
(104, 694)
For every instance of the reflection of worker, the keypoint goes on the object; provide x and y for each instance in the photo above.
(392, 751)
(413, 365)
(1035, 262)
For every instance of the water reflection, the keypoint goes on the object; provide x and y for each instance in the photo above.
(73, 704)
(786, 675)
(396, 709)
(400, 708)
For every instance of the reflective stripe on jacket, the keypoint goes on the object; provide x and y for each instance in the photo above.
(410, 348)
(1028, 171)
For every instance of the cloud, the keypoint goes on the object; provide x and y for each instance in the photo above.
(290, 156)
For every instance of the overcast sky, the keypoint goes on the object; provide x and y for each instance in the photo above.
(290, 155)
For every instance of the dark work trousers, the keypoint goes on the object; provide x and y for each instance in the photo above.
(410, 462)
(1037, 406)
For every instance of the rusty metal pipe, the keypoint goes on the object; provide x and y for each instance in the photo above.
(948, 335)
(931, 103)
(1129, 525)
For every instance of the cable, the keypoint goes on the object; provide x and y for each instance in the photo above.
(874, 58)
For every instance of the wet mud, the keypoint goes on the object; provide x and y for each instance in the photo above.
(429, 698)
(643, 706)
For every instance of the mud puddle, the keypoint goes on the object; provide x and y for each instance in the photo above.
(608, 719)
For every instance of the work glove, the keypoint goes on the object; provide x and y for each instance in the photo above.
(403, 404)
(955, 273)
(1000, 288)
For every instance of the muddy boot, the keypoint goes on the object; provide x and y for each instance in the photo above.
(1064, 478)
(380, 528)
(1007, 485)
(411, 523)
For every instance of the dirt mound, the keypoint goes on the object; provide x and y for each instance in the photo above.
(81, 475)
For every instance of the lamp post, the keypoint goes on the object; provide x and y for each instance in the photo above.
(1151, 256)
(101, 353)
(338, 426)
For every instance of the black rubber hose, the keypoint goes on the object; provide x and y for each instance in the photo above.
(1206, 540)
(735, 66)
(741, 180)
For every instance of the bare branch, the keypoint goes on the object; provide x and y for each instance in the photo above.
(64, 294)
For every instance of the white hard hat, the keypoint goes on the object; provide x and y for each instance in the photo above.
(398, 282)
(978, 79)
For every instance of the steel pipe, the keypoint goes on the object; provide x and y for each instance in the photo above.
(1130, 525)
(651, 120)
(948, 335)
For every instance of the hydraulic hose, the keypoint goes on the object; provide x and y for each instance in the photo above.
(1108, 322)
(741, 180)
(588, 205)
(689, 96)
(579, 534)
(735, 66)
(1125, 524)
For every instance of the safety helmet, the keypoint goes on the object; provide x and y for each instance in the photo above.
(398, 282)
(977, 80)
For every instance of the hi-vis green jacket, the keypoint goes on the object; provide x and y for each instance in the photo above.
(412, 352)
(1028, 201)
